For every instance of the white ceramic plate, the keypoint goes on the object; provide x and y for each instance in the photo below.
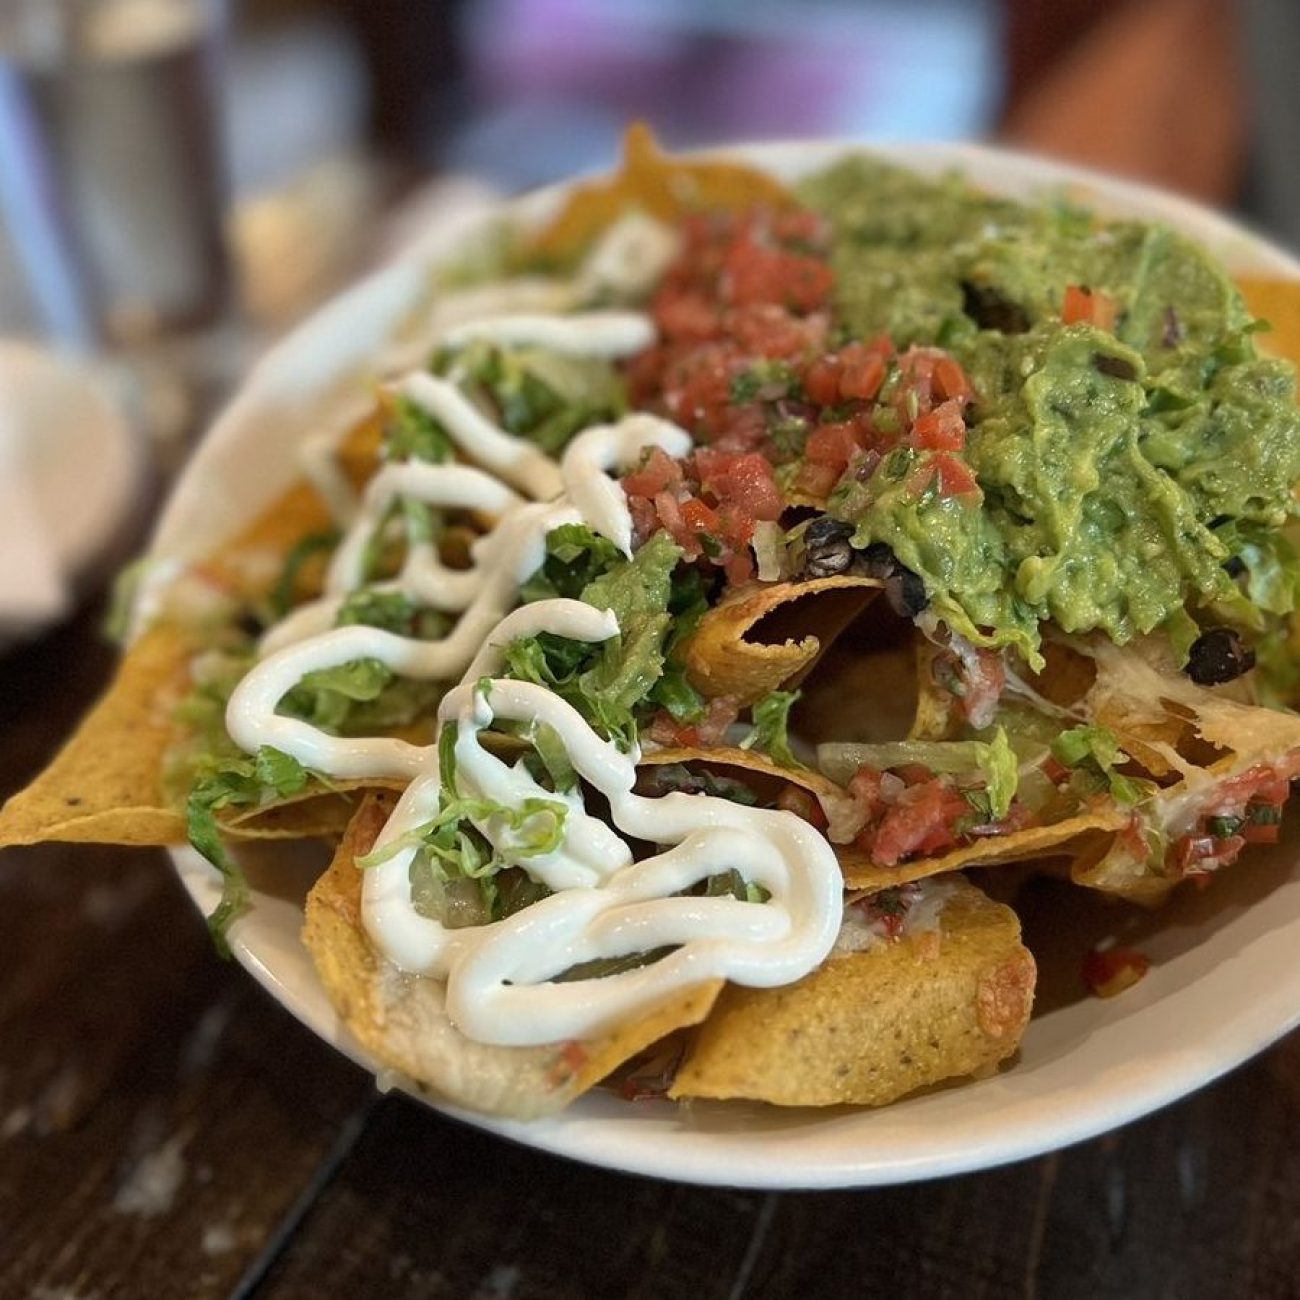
(1225, 981)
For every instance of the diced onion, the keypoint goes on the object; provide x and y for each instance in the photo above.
(768, 549)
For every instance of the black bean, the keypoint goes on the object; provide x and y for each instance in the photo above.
(990, 310)
(1218, 656)
(827, 549)
(1115, 367)
(906, 593)
(1234, 566)
(877, 561)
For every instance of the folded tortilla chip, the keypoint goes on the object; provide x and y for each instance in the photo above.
(1206, 735)
(1072, 838)
(105, 785)
(746, 647)
(402, 1020)
(871, 1026)
(653, 182)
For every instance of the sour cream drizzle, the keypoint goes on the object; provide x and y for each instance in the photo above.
(500, 976)
(499, 987)
(626, 262)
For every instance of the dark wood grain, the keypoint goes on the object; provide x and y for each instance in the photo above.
(167, 1131)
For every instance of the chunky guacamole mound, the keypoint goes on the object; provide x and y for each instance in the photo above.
(1120, 467)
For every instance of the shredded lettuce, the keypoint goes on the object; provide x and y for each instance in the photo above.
(609, 681)
(392, 611)
(304, 550)
(771, 733)
(468, 844)
(268, 776)
(538, 394)
(994, 760)
(363, 695)
(1095, 753)
(576, 555)
(413, 434)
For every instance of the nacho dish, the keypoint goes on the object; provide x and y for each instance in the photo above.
(735, 581)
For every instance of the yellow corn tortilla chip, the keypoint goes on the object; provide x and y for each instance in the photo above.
(318, 812)
(1278, 302)
(745, 646)
(864, 687)
(1070, 838)
(651, 181)
(403, 1023)
(759, 773)
(1138, 691)
(105, 785)
(869, 1027)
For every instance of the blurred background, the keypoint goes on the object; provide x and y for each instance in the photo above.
(180, 180)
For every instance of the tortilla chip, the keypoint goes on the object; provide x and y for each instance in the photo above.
(1070, 838)
(1140, 695)
(864, 687)
(318, 812)
(938, 715)
(744, 646)
(651, 181)
(867, 1028)
(758, 772)
(402, 1021)
(1278, 302)
(105, 785)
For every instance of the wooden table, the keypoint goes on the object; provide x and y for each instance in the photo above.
(167, 1130)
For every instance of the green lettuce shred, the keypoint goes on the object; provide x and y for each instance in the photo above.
(1095, 753)
(994, 760)
(268, 776)
(771, 733)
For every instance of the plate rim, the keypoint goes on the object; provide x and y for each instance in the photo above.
(665, 1148)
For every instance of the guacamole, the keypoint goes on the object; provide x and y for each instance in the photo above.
(1120, 460)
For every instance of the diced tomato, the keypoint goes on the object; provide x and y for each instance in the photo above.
(984, 677)
(738, 567)
(719, 714)
(815, 481)
(571, 1057)
(743, 481)
(698, 518)
(803, 803)
(924, 814)
(940, 429)
(753, 273)
(821, 380)
(950, 381)
(913, 773)
(767, 330)
(834, 445)
(664, 729)
(687, 316)
(657, 473)
(1055, 771)
(862, 372)
(1261, 832)
(1111, 972)
(1195, 855)
(956, 478)
(1083, 305)
(1259, 784)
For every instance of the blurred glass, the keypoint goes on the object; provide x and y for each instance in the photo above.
(112, 187)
